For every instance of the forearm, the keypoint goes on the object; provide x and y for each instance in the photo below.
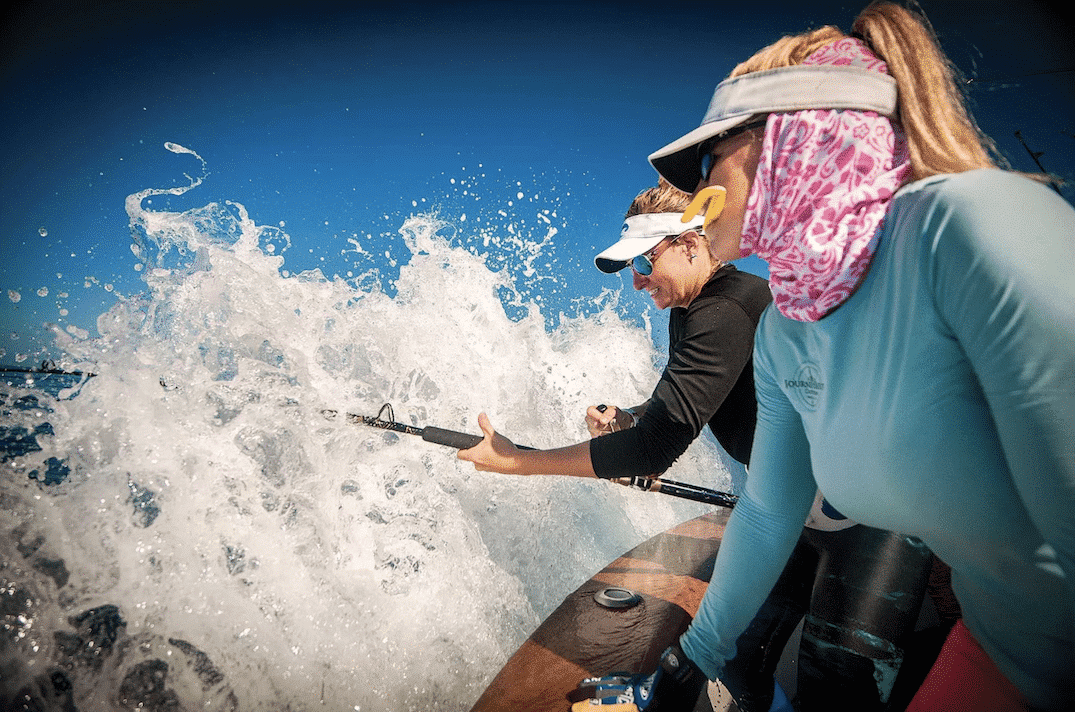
(570, 461)
(754, 550)
(495, 453)
(762, 530)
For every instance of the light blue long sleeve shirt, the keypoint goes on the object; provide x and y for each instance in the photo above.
(938, 401)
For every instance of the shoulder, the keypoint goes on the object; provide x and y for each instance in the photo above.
(748, 292)
(982, 204)
(989, 219)
(983, 249)
(724, 315)
(971, 184)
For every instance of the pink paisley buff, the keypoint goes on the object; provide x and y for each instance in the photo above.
(820, 195)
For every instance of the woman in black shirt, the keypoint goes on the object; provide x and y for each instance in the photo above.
(709, 377)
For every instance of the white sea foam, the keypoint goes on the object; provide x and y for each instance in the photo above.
(272, 557)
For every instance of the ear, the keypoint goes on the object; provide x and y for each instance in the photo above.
(692, 241)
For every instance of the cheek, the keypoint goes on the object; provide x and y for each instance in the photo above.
(725, 233)
(737, 183)
(738, 173)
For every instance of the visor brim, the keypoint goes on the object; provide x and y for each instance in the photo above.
(772, 91)
(677, 162)
(618, 255)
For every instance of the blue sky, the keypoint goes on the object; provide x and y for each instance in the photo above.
(332, 117)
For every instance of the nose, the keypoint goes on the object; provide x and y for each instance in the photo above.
(638, 281)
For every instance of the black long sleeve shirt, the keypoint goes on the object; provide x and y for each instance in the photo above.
(709, 379)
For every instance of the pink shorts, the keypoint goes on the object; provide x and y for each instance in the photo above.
(964, 679)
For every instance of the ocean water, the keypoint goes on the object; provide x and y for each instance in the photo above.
(186, 530)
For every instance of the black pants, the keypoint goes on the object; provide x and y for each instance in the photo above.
(860, 591)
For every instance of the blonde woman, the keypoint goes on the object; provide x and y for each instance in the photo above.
(918, 364)
(709, 379)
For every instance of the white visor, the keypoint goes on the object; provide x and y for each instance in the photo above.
(641, 233)
(772, 91)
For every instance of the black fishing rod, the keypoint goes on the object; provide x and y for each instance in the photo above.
(1035, 155)
(431, 434)
(385, 420)
(47, 368)
(679, 489)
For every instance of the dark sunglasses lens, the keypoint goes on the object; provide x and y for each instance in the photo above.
(642, 265)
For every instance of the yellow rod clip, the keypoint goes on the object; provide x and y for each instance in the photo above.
(714, 195)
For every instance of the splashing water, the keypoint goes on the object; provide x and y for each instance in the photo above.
(190, 532)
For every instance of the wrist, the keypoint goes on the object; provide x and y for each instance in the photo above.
(634, 416)
(525, 463)
(681, 683)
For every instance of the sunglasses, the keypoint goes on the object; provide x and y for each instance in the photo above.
(643, 264)
(706, 158)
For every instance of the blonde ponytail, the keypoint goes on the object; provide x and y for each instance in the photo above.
(941, 134)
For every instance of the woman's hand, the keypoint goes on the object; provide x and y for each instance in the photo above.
(604, 419)
(676, 684)
(495, 453)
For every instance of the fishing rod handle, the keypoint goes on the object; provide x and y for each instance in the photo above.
(678, 489)
(720, 499)
(451, 438)
(454, 438)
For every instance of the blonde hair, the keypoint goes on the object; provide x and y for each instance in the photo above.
(941, 133)
(662, 198)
